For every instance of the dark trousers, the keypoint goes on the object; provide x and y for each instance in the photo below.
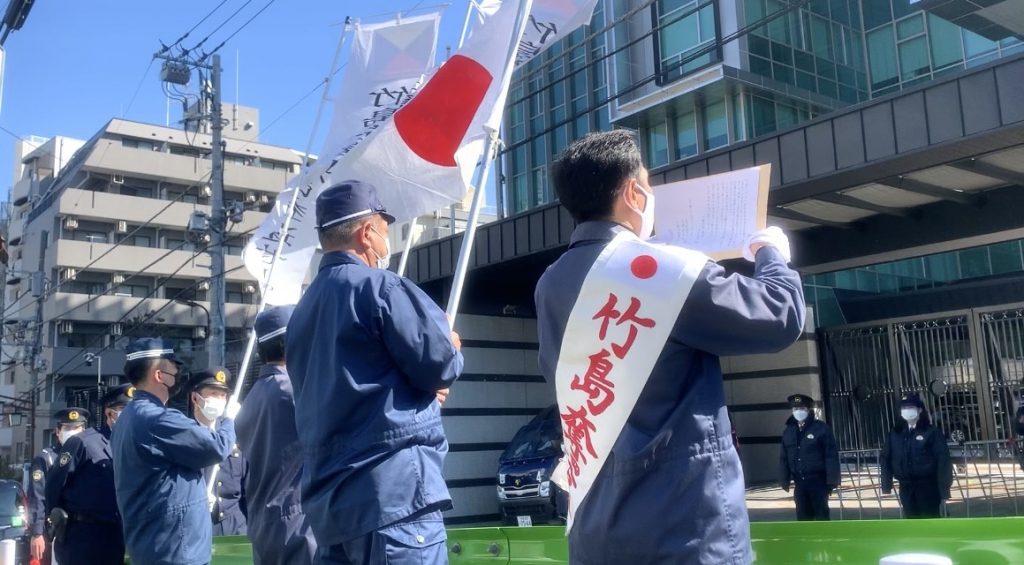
(920, 498)
(93, 543)
(811, 496)
(417, 540)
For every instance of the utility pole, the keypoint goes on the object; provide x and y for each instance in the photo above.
(178, 70)
(38, 282)
(218, 224)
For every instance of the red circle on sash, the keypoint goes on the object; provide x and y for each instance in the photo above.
(644, 267)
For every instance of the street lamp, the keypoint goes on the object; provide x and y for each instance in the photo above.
(194, 304)
(89, 358)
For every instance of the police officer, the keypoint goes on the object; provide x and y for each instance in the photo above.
(278, 527)
(916, 454)
(809, 458)
(228, 502)
(41, 465)
(368, 354)
(81, 485)
(671, 490)
(159, 457)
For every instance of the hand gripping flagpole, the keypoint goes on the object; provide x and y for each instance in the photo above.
(251, 345)
(491, 144)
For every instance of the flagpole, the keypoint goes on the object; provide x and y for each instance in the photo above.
(488, 154)
(251, 345)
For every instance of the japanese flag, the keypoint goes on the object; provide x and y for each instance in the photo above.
(423, 158)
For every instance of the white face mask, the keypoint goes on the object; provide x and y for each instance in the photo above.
(383, 261)
(910, 414)
(213, 407)
(114, 415)
(64, 435)
(647, 215)
(800, 414)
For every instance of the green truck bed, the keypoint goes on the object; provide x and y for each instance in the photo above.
(974, 541)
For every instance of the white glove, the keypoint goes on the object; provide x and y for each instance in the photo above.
(771, 237)
(234, 406)
(211, 500)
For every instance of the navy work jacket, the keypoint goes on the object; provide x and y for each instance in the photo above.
(229, 511)
(919, 454)
(82, 481)
(278, 527)
(159, 457)
(41, 465)
(367, 351)
(672, 489)
(808, 453)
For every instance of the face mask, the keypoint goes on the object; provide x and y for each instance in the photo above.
(800, 415)
(383, 261)
(65, 435)
(213, 407)
(647, 215)
(172, 389)
(114, 415)
(910, 414)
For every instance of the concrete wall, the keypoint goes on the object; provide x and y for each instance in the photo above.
(501, 390)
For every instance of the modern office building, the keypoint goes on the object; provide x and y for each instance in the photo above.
(896, 140)
(99, 230)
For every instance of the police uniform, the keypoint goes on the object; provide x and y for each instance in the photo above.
(918, 457)
(229, 508)
(673, 478)
(278, 528)
(82, 485)
(367, 352)
(808, 458)
(41, 465)
(159, 457)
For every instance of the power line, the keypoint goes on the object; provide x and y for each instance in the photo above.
(14, 135)
(138, 87)
(218, 28)
(199, 23)
(247, 22)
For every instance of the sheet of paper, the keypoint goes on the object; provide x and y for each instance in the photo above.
(714, 214)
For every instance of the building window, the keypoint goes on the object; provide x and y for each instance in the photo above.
(686, 135)
(681, 37)
(657, 145)
(716, 126)
(132, 290)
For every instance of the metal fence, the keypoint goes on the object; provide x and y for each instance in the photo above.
(988, 480)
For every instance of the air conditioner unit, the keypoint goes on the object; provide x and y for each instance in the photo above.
(203, 285)
(264, 199)
(70, 223)
(199, 333)
(250, 197)
(249, 289)
(206, 190)
(118, 278)
(117, 179)
(68, 273)
(122, 226)
(64, 327)
(116, 329)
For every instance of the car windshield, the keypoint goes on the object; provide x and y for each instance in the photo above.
(543, 439)
(10, 498)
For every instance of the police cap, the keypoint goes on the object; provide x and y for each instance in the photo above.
(800, 401)
(349, 200)
(121, 394)
(216, 377)
(912, 399)
(73, 415)
(150, 348)
(273, 322)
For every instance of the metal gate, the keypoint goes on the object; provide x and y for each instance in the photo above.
(967, 366)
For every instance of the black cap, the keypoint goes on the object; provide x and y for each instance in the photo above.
(217, 377)
(121, 394)
(72, 415)
(800, 401)
(272, 322)
(912, 399)
(349, 200)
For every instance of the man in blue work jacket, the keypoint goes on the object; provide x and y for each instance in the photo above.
(278, 527)
(917, 455)
(41, 465)
(671, 490)
(81, 485)
(809, 459)
(228, 510)
(369, 355)
(159, 457)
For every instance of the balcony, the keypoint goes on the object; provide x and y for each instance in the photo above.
(110, 309)
(136, 210)
(129, 259)
(110, 157)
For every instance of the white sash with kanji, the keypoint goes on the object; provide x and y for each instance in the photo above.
(618, 327)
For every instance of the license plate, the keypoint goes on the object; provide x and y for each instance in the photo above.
(524, 521)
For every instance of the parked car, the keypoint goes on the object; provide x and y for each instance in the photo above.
(525, 489)
(14, 516)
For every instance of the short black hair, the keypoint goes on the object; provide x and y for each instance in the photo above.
(136, 371)
(272, 350)
(590, 173)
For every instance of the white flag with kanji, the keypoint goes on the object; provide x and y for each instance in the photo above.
(386, 66)
(424, 157)
(550, 21)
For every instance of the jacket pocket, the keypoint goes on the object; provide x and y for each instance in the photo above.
(417, 542)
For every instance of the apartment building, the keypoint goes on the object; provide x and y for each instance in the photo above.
(99, 230)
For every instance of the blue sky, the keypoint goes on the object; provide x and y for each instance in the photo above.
(75, 65)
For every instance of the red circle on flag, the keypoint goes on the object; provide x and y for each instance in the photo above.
(644, 267)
